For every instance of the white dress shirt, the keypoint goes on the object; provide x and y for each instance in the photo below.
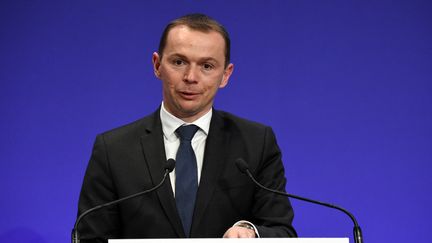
(170, 124)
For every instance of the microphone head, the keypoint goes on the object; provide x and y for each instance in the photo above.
(170, 164)
(242, 165)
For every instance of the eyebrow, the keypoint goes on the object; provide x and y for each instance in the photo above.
(201, 59)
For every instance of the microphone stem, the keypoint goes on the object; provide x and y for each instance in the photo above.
(75, 236)
(358, 238)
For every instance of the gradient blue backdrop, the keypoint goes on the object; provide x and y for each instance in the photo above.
(346, 85)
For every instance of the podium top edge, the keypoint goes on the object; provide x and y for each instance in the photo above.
(243, 240)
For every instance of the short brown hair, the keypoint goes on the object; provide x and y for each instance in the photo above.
(199, 22)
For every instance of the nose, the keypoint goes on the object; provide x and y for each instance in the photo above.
(191, 74)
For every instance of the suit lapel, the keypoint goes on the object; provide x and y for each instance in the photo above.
(154, 153)
(213, 165)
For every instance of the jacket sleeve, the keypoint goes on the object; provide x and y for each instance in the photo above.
(98, 188)
(273, 214)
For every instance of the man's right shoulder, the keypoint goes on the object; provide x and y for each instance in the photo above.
(136, 128)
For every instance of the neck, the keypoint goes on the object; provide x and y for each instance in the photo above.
(186, 117)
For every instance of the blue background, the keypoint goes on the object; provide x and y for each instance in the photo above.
(346, 85)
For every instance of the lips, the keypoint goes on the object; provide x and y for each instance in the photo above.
(189, 95)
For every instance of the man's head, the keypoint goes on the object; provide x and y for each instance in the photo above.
(194, 66)
(198, 22)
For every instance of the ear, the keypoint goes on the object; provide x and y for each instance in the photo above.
(226, 75)
(156, 64)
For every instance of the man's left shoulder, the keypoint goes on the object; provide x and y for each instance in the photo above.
(232, 120)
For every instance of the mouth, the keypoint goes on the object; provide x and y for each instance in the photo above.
(189, 95)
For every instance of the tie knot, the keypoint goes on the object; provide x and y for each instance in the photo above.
(186, 132)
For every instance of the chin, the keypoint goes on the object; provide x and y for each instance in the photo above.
(189, 106)
(189, 111)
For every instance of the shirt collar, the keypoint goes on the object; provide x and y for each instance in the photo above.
(170, 123)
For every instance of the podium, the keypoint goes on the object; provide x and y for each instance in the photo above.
(242, 240)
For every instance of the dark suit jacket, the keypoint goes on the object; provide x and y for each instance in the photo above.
(131, 158)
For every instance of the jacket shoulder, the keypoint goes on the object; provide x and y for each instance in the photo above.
(136, 128)
(230, 119)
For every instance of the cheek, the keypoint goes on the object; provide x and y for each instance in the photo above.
(169, 89)
(214, 83)
(169, 79)
(212, 89)
(173, 77)
(167, 84)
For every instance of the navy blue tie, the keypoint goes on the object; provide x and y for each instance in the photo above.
(186, 184)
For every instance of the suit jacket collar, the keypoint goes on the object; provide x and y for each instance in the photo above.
(154, 154)
(213, 165)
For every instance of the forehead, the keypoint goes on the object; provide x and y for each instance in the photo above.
(184, 40)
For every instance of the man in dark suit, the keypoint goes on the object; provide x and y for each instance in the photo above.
(193, 63)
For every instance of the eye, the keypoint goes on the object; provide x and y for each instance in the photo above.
(207, 66)
(178, 62)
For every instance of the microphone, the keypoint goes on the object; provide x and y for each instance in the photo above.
(244, 168)
(169, 167)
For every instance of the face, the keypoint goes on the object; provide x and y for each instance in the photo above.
(192, 69)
